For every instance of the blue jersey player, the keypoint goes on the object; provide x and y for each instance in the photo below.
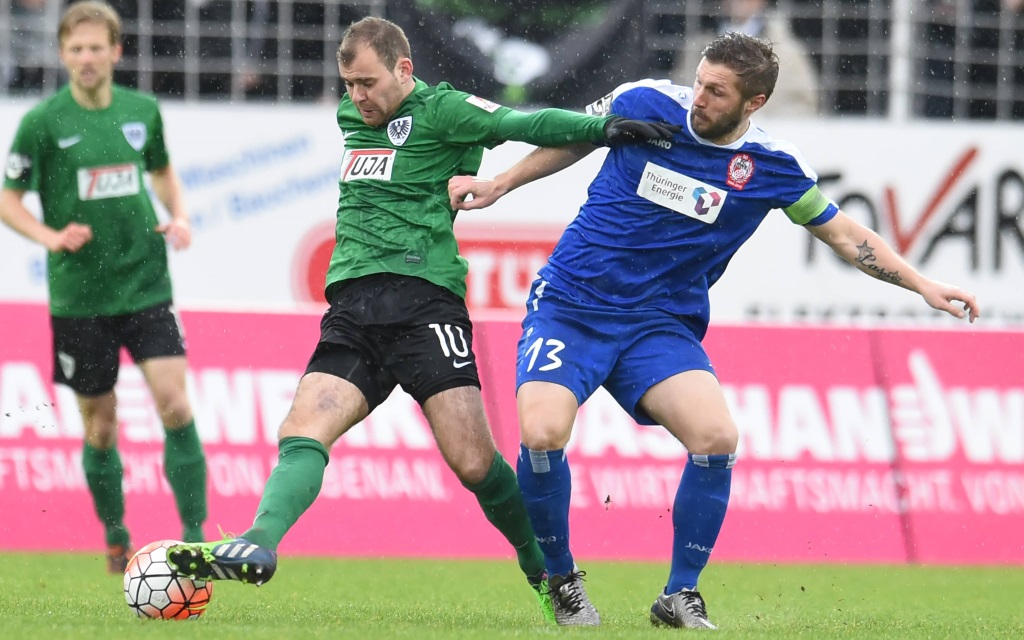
(623, 300)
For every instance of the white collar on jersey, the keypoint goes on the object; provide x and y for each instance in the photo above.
(735, 144)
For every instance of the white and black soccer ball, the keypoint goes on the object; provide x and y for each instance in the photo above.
(153, 590)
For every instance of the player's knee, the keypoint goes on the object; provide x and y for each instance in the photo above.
(175, 410)
(292, 428)
(545, 435)
(714, 441)
(472, 469)
(99, 421)
(100, 429)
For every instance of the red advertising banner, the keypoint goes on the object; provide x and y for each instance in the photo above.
(857, 445)
(385, 479)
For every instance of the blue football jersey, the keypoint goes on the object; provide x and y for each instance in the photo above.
(663, 219)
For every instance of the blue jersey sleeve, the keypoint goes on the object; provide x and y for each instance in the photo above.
(634, 100)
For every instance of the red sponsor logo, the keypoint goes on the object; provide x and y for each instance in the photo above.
(503, 266)
(367, 164)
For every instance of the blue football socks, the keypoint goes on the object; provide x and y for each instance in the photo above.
(546, 484)
(697, 516)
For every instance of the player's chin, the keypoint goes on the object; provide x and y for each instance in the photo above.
(372, 118)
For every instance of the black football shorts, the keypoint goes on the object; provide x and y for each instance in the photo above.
(87, 351)
(384, 330)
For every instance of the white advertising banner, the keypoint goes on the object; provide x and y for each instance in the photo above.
(261, 184)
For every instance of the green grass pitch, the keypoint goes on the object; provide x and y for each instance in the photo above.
(55, 596)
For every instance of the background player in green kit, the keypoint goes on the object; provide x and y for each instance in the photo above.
(84, 150)
(396, 285)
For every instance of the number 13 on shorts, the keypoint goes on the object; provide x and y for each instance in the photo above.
(545, 350)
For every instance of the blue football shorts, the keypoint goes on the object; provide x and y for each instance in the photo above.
(583, 346)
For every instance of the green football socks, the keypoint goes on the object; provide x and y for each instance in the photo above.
(292, 487)
(499, 497)
(104, 474)
(185, 467)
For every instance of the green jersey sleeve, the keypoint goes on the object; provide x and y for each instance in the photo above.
(471, 120)
(24, 162)
(155, 155)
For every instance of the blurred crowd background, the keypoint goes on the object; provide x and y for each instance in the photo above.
(942, 59)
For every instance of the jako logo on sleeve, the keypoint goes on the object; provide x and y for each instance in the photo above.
(367, 164)
(112, 181)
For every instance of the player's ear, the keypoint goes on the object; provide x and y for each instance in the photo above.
(755, 103)
(404, 69)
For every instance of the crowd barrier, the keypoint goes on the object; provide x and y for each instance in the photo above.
(857, 445)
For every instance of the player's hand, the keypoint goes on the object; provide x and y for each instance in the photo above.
(619, 130)
(178, 233)
(483, 192)
(944, 297)
(71, 238)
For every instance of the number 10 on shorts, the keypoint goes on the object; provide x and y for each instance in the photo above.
(449, 343)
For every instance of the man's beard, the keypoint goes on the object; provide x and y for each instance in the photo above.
(724, 126)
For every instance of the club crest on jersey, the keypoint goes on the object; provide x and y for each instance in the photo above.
(367, 164)
(135, 134)
(399, 130)
(741, 169)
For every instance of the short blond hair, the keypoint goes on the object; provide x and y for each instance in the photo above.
(90, 11)
(384, 37)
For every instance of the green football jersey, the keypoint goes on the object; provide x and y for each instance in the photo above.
(394, 214)
(88, 166)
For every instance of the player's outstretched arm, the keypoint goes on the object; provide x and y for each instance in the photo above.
(16, 216)
(168, 189)
(865, 249)
(538, 164)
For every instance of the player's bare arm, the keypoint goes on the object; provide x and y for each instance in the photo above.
(865, 249)
(16, 216)
(540, 163)
(168, 190)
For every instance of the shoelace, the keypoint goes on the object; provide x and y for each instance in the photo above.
(569, 594)
(695, 604)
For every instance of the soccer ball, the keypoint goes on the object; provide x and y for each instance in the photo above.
(153, 590)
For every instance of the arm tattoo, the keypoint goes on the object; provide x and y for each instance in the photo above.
(866, 258)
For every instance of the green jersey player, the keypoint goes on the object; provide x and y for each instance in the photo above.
(84, 150)
(396, 285)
